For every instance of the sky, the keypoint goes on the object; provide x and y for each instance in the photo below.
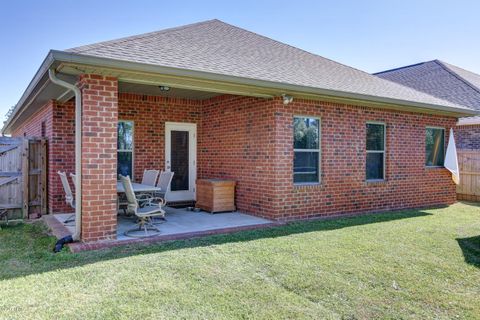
(368, 35)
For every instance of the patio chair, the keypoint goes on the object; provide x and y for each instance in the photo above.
(144, 214)
(122, 203)
(150, 177)
(72, 176)
(69, 199)
(164, 184)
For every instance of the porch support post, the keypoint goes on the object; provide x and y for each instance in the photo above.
(99, 157)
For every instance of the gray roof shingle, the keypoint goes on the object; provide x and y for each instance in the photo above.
(439, 79)
(217, 47)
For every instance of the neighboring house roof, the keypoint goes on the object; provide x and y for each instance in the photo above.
(441, 80)
(222, 52)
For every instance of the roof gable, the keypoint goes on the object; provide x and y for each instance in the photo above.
(220, 48)
(439, 79)
(469, 77)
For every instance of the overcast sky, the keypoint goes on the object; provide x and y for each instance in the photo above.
(368, 35)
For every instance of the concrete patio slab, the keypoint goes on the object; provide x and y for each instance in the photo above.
(183, 221)
(179, 224)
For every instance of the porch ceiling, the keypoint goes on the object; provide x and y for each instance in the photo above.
(172, 93)
(173, 81)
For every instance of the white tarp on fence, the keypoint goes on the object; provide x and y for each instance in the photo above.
(451, 160)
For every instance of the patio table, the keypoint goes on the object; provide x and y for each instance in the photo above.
(138, 187)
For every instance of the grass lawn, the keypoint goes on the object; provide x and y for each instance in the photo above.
(416, 264)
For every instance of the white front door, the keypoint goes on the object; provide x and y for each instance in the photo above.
(181, 159)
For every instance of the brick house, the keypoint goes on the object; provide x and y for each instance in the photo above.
(302, 135)
(448, 82)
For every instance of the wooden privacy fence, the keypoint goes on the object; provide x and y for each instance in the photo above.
(469, 163)
(23, 177)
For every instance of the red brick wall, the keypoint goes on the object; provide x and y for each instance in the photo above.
(232, 134)
(60, 132)
(32, 127)
(237, 142)
(99, 157)
(250, 140)
(149, 114)
(61, 155)
(343, 188)
(467, 137)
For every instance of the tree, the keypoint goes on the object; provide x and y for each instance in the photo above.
(8, 114)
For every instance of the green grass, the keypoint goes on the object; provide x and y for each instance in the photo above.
(417, 264)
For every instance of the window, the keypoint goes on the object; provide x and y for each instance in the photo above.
(306, 146)
(435, 147)
(375, 164)
(125, 148)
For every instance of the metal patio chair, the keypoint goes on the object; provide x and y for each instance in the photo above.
(150, 177)
(164, 182)
(72, 176)
(69, 199)
(145, 214)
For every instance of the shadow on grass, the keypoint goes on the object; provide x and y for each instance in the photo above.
(471, 250)
(470, 246)
(470, 203)
(26, 249)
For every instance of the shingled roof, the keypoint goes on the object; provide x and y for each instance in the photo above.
(217, 47)
(228, 59)
(442, 80)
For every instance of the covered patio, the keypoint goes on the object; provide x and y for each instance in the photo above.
(106, 117)
(182, 223)
(155, 123)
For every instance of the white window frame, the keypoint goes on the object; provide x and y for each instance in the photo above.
(127, 150)
(444, 151)
(377, 151)
(319, 150)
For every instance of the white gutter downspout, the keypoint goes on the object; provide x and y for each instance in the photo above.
(78, 150)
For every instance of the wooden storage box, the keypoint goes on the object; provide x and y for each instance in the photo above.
(216, 195)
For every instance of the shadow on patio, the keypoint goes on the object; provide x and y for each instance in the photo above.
(33, 256)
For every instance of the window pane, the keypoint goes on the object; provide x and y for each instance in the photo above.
(434, 147)
(374, 166)
(306, 133)
(305, 167)
(375, 137)
(179, 158)
(125, 135)
(124, 163)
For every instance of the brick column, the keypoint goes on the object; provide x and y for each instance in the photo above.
(99, 157)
